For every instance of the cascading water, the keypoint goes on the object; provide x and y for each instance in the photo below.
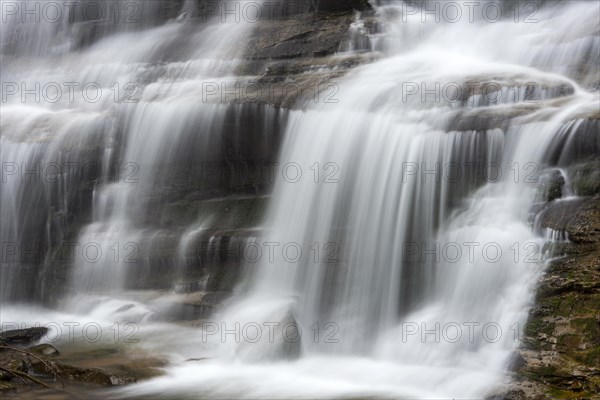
(410, 274)
(139, 111)
(432, 281)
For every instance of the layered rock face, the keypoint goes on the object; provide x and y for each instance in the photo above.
(560, 355)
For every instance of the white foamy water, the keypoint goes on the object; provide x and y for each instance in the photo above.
(422, 283)
(137, 94)
(402, 326)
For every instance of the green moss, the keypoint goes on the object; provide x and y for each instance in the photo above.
(567, 304)
(586, 178)
(590, 329)
(569, 342)
(537, 325)
(593, 303)
(546, 370)
(556, 393)
(591, 357)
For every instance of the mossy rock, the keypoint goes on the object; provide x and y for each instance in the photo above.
(586, 178)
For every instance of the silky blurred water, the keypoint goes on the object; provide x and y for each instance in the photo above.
(386, 319)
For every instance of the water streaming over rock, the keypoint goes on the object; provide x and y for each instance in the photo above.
(405, 251)
(117, 105)
(428, 212)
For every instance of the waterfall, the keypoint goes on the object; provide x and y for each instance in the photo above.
(399, 252)
(113, 101)
(428, 213)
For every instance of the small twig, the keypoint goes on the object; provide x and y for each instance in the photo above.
(11, 372)
(24, 375)
(47, 365)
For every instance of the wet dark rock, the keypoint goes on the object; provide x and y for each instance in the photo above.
(295, 60)
(299, 82)
(306, 35)
(583, 141)
(87, 375)
(213, 261)
(551, 185)
(342, 5)
(482, 119)
(582, 145)
(190, 306)
(573, 216)
(22, 336)
(291, 9)
(279, 10)
(586, 178)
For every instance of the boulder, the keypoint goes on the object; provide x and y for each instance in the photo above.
(22, 336)
(551, 185)
(586, 178)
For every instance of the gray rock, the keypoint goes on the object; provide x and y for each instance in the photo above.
(23, 336)
(586, 178)
(551, 185)
(306, 35)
